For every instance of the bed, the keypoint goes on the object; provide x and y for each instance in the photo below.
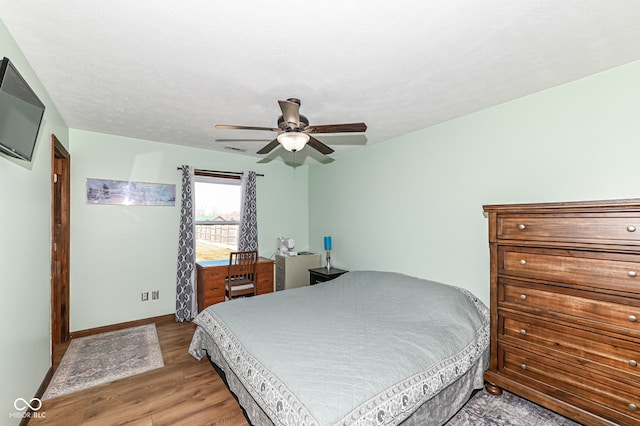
(367, 348)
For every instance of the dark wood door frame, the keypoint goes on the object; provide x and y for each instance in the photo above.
(60, 237)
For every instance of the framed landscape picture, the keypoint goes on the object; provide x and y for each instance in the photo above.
(103, 191)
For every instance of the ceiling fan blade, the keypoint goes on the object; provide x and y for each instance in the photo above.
(290, 113)
(229, 126)
(319, 146)
(337, 128)
(269, 147)
(241, 140)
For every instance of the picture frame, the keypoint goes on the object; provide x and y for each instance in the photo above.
(117, 192)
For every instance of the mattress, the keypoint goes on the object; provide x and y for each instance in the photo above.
(365, 348)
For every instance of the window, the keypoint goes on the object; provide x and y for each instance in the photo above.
(217, 215)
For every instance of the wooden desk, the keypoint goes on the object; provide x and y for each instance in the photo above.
(212, 274)
(319, 275)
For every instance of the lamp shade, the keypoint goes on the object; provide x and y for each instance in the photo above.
(293, 141)
(327, 243)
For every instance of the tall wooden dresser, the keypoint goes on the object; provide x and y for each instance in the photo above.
(565, 307)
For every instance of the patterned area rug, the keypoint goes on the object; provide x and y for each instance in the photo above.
(102, 358)
(505, 410)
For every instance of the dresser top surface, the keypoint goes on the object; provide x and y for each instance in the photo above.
(631, 204)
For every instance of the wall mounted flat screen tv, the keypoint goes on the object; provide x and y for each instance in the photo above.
(20, 113)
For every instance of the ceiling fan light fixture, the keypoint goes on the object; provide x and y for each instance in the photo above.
(293, 141)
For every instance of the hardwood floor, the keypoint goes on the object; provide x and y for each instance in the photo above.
(184, 392)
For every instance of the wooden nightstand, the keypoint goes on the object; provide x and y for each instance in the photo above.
(319, 275)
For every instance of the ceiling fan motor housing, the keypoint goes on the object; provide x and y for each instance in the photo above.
(304, 122)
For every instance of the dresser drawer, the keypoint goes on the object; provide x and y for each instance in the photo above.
(610, 228)
(612, 356)
(214, 274)
(264, 268)
(214, 291)
(212, 299)
(592, 269)
(265, 286)
(616, 399)
(214, 288)
(575, 307)
(264, 277)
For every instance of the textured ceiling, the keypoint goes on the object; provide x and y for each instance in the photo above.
(169, 71)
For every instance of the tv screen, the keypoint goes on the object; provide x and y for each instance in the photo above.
(20, 113)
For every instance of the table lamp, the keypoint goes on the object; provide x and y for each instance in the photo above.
(327, 247)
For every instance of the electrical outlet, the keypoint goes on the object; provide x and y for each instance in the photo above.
(145, 296)
(155, 294)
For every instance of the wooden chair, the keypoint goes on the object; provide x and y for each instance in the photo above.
(241, 276)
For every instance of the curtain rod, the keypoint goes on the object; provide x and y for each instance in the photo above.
(220, 171)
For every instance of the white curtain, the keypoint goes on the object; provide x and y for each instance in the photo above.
(248, 234)
(186, 303)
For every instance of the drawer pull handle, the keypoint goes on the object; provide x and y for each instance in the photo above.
(632, 318)
(523, 297)
(633, 407)
(523, 366)
(631, 228)
(523, 262)
(521, 227)
(633, 363)
(632, 274)
(523, 331)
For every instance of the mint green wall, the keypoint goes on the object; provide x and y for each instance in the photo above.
(25, 256)
(117, 252)
(414, 204)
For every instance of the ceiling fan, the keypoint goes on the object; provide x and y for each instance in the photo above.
(295, 131)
